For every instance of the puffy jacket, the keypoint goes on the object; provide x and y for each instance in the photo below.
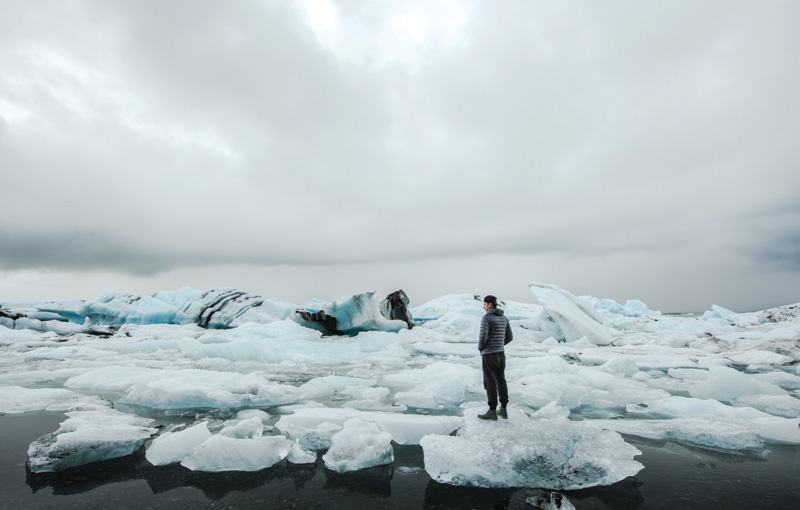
(495, 332)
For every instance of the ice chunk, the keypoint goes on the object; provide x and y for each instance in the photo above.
(779, 430)
(186, 389)
(359, 445)
(249, 428)
(688, 374)
(726, 384)
(457, 304)
(310, 436)
(16, 399)
(374, 405)
(712, 433)
(172, 447)
(437, 385)
(299, 455)
(404, 428)
(550, 411)
(575, 317)
(221, 453)
(127, 308)
(250, 413)
(632, 308)
(88, 436)
(622, 365)
(683, 407)
(328, 385)
(757, 358)
(520, 452)
(778, 405)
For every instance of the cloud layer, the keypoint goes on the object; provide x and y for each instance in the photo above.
(141, 138)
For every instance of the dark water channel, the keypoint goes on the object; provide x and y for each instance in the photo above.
(674, 478)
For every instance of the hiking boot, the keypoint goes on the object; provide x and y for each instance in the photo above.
(502, 413)
(491, 414)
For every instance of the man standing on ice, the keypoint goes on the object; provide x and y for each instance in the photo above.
(495, 334)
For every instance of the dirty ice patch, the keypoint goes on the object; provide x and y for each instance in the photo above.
(520, 452)
(89, 436)
(16, 399)
(359, 445)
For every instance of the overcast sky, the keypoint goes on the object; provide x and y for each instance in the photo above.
(621, 149)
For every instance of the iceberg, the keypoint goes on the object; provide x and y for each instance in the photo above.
(90, 435)
(359, 445)
(576, 317)
(519, 452)
(351, 315)
(215, 308)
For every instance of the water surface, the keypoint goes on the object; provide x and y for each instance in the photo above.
(674, 478)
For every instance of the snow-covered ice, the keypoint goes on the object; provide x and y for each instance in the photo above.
(221, 365)
(360, 444)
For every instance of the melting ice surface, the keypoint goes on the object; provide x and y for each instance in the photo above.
(584, 373)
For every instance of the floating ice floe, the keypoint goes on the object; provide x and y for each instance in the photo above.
(726, 384)
(89, 436)
(360, 444)
(714, 433)
(519, 452)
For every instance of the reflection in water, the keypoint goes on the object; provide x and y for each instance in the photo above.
(164, 478)
(375, 480)
(624, 495)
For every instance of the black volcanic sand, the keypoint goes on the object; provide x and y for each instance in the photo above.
(675, 477)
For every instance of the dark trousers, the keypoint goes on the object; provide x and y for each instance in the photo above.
(494, 378)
